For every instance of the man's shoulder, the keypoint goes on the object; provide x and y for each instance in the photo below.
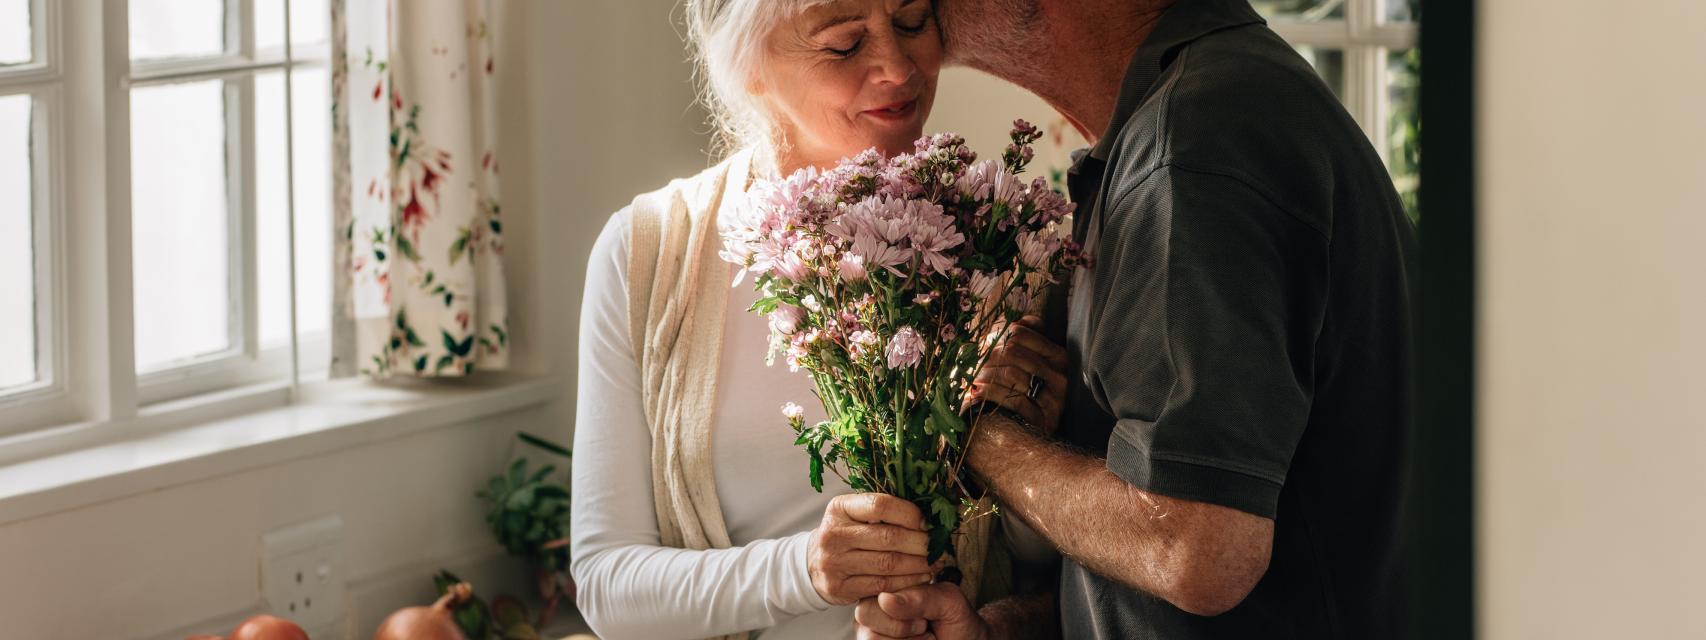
(1240, 88)
(1241, 104)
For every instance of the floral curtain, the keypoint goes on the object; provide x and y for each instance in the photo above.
(420, 286)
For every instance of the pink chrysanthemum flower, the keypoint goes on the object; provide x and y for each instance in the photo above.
(906, 348)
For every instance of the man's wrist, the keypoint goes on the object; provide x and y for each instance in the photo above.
(993, 433)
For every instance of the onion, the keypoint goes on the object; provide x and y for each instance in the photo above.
(427, 623)
(265, 627)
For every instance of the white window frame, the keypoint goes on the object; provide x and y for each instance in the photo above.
(41, 80)
(89, 390)
(1365, 37)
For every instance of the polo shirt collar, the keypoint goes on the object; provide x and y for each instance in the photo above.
(1181, 24)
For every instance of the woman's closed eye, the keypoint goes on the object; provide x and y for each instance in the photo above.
(847, 50)
(907, 23)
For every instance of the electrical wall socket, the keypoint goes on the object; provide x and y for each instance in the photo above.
(302, 573)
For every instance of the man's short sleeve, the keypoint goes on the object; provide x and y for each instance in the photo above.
(1210, 300)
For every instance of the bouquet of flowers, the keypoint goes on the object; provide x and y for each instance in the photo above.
(887, 279)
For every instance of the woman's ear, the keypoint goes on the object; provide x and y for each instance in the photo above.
(755, 84)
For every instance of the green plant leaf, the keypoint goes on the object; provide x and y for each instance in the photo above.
(550, 491)
(544, 444)
(542, 472)
(947, 421)
(517, 472)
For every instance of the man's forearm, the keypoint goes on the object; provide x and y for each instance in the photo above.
(1022, 618)
(1186, 552)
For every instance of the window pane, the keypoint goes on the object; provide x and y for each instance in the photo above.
(1330, 63)
(17, 249)
(1403, 69)
(176, 28)
(15, 37)
(313, 133)
(1301, 10)
(180, 222)
(309, 22)
(1402, 10)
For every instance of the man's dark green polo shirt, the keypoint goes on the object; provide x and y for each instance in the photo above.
(1243, 334)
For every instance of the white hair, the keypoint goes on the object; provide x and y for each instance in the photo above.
(727, 41)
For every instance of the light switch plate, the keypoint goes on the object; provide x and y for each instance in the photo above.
(302, 573)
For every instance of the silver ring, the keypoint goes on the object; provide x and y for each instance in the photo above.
(1035, 388)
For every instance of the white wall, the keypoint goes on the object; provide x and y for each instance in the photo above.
(172, 559)
(982, 109)
(1592, 308)
(607, 113)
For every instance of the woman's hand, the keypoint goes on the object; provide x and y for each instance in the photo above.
(1025, 374)
(869, 543)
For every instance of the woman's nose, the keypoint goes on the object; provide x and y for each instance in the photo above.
(892, 64)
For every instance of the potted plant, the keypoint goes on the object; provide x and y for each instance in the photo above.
(529, 513)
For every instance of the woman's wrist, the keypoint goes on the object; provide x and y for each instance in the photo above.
(799, 553)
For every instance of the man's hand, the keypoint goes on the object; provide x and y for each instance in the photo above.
(868, 543)
(935, 611)
(1026, 374)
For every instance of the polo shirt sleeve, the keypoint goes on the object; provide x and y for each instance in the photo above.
(1212, 297)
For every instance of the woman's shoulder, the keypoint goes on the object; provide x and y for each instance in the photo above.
(697, 191)
(613, 243)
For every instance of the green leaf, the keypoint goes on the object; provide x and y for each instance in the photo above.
(947, 421)
(550, 491)
(817, 471)
(542, 472)
(521, 499)
(420, 363)
(517, 472)
(543, 443)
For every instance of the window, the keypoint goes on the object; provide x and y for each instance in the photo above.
(194, 259)
(30, 356)
(1366, 51)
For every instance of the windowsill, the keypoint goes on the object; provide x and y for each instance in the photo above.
(332, 416)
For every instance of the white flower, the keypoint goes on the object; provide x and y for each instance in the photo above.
(1037, 249)
(906, 348)
(786, 319)
(985, 285)
(852, 266)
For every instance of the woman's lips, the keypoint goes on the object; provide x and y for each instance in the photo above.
(896, 112)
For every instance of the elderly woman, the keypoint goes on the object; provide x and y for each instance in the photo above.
(693, 517)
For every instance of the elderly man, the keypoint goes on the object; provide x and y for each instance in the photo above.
(1230, 455)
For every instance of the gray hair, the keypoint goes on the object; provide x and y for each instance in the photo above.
(726, 39)
(999, 37)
